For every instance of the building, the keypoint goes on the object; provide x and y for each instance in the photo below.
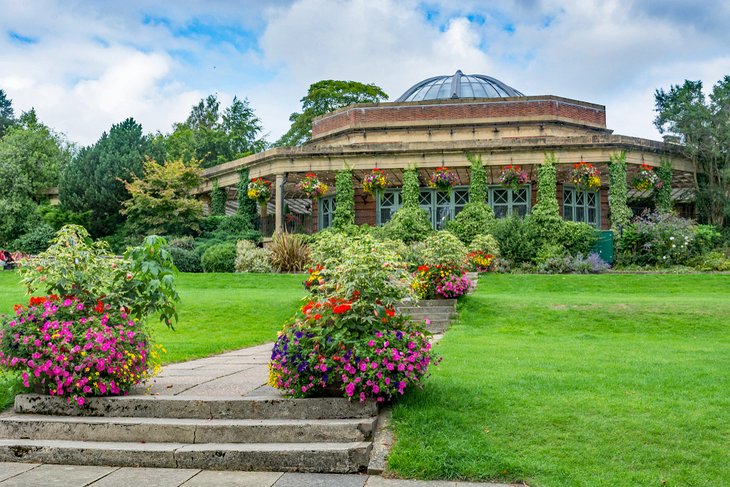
(438, 122)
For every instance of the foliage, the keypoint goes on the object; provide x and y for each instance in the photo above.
(212, 137)
(516, 241)
(259, 190)
(35, 241)
(445, 249)
(702, 130)
(442, 179)
(323, 97)
(446, 281)
(712, 261)
(7, 116)
(479, 261)
(143, 281)
(94, 179)
(288, 252)
(311, 186)
(250, 258)
(349, 336)
(219, 257)
(663, 193)
(375, 181)
(707, 238)
(408, 225)
(160, 202)
(569, 264)
(545, 219)
(56, 216)
(246, 207)
(31, 156)
(585, 176)
(476, 218)
(657, 239)
(617, 191)
(218, 199)
(186, 260)
(345, 200)
(484, 243)
(76, 350)
(478, 188)
(578, 237)
(513, 176)
(411, 188)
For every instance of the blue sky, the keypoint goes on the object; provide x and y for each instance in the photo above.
(85, 65)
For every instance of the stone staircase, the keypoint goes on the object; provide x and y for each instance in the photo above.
(437, 312)
(258, 432)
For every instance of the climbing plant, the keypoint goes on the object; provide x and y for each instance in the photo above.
(345, 200)
(218, 199)
(246, 206)
(663, 194)
(410, 188)
(478, 179)
(546, 220)
(617, 192)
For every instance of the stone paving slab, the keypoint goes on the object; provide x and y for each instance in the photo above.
(138, 477)
(209, 478)
(8, 470)
(320, 480)
(60, 475)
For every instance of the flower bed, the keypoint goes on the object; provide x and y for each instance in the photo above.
(441, 281)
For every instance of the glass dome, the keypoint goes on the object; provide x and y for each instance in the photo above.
(459, 85)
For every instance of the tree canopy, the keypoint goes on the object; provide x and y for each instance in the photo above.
(702, 128)
(323, 97)
(94, 180)
(212, 136)
(7, 116)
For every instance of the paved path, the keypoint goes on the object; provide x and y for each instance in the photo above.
(239, 373)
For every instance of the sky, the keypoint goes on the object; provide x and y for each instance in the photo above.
(85, 65)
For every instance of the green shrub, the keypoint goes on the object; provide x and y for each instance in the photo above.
(578, 238)
(218, 199)
(549, 252)
(476, 218)
(443, 248)
(326, 247)
(617, 192)
(185, 242)
(345, 196)
(219, 258)
(485, 243)
(707, 238)
(288, 253)
(657, 239)
(411, 189)
(712, 261)
(546, 223)
(250, 258)
(516, 239)
(408, 225)
(35, 241)
(478, 188)
(186, 260)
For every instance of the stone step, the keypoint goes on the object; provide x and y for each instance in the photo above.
(430, 303)
(189, 431)
(282, 457)
(445, 313)
(203, 407)
(437, 327)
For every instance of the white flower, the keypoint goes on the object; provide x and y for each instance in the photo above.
(671, 238)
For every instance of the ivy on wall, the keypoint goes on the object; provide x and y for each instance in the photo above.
(410, 188)
(478, 189)
(663, 195)
(218, 198)
(345, 200)
(546, 214)
(620, 212)
(246, 206)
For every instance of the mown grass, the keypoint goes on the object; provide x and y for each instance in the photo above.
(218, 312)
(617, 380)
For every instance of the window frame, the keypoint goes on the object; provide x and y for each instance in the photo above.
(433, 206)
(586, 207)
(510, 201)
(332, 200)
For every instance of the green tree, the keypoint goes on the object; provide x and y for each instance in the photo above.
(7, 117)
(31, 156)
(212, 136)
(702, 128)
(94, 180)
(323, 97)
(160, 202)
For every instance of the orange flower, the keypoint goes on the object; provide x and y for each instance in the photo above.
(341, 308)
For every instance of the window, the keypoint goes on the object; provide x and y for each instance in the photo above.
(390, 202)
(326, 212)
(508, 202)
(581, 206)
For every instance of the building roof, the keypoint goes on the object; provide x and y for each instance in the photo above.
(458, 85)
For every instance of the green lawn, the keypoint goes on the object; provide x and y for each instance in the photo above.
(617, 380)
(218, 312)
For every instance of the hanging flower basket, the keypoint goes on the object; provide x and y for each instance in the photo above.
(513, 177)
(646, 179)
(442, 179)
(312, 186)
(259, 190)
(585, 176)
(375, 181)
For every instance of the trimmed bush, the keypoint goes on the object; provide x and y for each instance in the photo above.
(443, 248)
(485, 243)
(186, 242)
(578, 238)
(35, 241)
(250, 258)
(516, 240)
(219, 258)
(476, 218)
(408, 225)
(186, 260)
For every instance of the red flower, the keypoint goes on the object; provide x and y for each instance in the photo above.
(99, 308)
(317, 316)
(341, 308)
(422, 268)
(390, 312)
(17, 307)
(307, 307)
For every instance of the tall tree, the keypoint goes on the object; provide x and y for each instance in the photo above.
(7, 116)
(212, 136)
(31, 156)
(324, 97)
(702, 128)
(94, 180)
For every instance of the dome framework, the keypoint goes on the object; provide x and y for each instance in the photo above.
(456, 86)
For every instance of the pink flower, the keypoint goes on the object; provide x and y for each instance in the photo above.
(350, 389)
